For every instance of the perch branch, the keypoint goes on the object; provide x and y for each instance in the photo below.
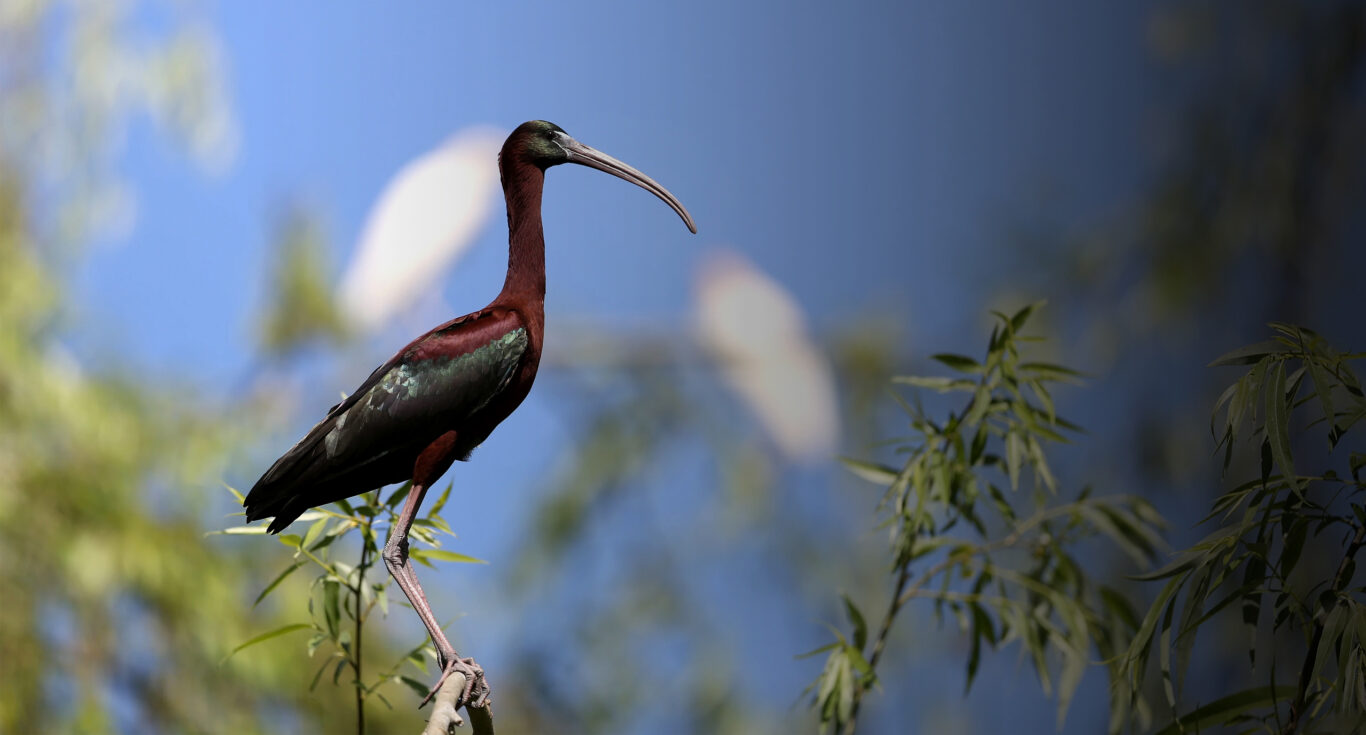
(446, 715)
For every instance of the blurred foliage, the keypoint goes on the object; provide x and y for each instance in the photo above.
(1259, 169)
(303, 309)
(1255, 558)
(1252, 214)
(117, 612)
(74, 76)
(1005, 566)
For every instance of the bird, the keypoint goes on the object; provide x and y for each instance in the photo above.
(442, 395)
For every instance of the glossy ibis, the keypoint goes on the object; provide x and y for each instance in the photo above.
(441, 396)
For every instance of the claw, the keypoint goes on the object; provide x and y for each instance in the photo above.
(476, 692)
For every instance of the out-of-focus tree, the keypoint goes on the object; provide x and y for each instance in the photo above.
(1259, 169)
(1305, 622)
(964, 534)
(117, 612)
(303, 310)
(1251, 215)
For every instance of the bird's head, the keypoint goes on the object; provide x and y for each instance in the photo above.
(545, 144)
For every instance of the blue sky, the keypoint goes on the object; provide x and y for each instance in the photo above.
(868, 157)
(871, 157)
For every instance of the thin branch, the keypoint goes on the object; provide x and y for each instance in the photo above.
(902, 577)
(960, 555)
(445, 717)
(360, 627)
(901, 595)
(897, 601)
(1340, 580)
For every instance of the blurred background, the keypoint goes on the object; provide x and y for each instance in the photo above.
(216, 217)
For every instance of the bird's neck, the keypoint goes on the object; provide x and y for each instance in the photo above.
(522, 184)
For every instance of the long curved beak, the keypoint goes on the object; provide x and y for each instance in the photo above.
(592, 157)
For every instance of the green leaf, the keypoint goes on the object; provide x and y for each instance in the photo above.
(1181, 563)
(398, 495)
(822, 649)
(382, 598)
(1227, 709)
(1334, 624)
(856, 619)
(438, 523)
(441, 500)
(961, 363)
(418, 687)
(235, 493)
(1278, 425)
(314, 531)
(1135, 659)
(1040, 464)
(875, 473)
(245, 531)
(1357, 461)
(443, 555)
(276, 582)
(314, 642)
(1017, 321)
(1164, 651)
(1126, 534)
(1323, 388)
(981, 404)
(858, 663)
(268, 635)
(922, 545)
(332, 607)
(979, 444)
(1120, 606)
(1050, 372)
(1294, 544)
(1014, 457)
(1254, 576)
(982, 628)
(1002, 504)
(345, 507)
(943, 385)
(1249, 354)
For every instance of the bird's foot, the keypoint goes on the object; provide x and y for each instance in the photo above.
(476, 692)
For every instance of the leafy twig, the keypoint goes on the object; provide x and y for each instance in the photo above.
(953, 478)
(903, 576)
(1340, 580)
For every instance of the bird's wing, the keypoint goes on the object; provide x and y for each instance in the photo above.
(439, 381)
(434, 384)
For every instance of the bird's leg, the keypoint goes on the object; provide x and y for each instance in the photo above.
(395, 555)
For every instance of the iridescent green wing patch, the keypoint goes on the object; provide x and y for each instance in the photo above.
(417, 395)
